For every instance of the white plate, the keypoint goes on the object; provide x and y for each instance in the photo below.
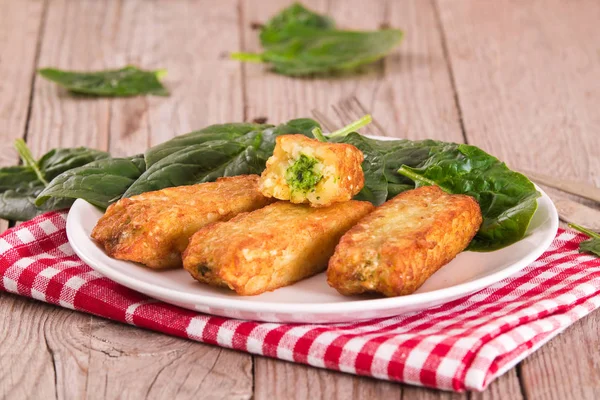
(312, 300)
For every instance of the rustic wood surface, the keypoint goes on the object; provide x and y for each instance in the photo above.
(520, 79)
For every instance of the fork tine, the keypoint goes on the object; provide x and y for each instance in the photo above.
(324, 120)
(374, 123)
(357, 112)
(338, 110)
(345, 108)
(348, 110)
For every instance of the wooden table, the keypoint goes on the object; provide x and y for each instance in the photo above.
(521, 79)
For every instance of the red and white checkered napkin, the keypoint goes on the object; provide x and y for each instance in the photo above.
(461, 345)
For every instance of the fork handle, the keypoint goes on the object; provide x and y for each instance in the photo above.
(577, 188)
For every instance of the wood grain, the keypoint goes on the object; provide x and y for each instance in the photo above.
(130, 363)
(409, 93)
(46, 347)
(568, 366)
(121, 361)
(531, 98)
(505, 387)
(397, 90)
(283, 380)
(20, 25)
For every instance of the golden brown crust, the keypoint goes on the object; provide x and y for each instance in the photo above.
(340, 165)
(271, 247)
(403, 242)
(154, 228)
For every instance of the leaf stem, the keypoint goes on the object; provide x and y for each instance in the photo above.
(366, 120)
(248, 57)
(28, 159)
(585, 230)
(415, 177)
(160, 73)
(318, 134)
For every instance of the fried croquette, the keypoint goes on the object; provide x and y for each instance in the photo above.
(403, 242)
(304, 170)
(154, 228)
(270, 248)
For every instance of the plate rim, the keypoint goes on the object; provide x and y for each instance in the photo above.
(439, 296)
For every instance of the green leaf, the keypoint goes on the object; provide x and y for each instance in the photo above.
(213, 132)
(207, 160)
(312, 51)
(591, 245)
(300, 42)
(295, 16)
(507, 198)
(57, 161)
(100, 182)
(127, 81)
(20, 185)
(281, 26)
(193, 164)
(18, 203)
(11, 177)
(375, 189)
(382, 160)
(28, 160)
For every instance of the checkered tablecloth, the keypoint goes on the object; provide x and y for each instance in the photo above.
(461, 345)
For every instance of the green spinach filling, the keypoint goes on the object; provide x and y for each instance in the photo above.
(301, 175)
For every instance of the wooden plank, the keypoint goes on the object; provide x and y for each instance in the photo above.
(276, 379)
(205, 87)
(505, 387)
(58, 119)
(134, 32)
(127, 362)
(397, 90)
(280, 98)
(19, 33)
(568, 366)
(416, 99)
(20, 25)
(43, 348)
(531, 98)
(70, 41)
(409, 93)
(135, 363)
(31, 332)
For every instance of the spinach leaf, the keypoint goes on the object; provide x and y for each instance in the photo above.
(213, 132)
(382, 160)
(193, 164)
(296, 15)
(57, 161)
(100, 182)
(18, 203)
(591, 245)
(299, 42)
(209, 160)
(11, 177)
(20, 185)
(373, 166)
(507, 199)
(127, 81)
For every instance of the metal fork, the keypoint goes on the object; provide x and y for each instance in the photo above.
(347, 111)
(351, 109)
